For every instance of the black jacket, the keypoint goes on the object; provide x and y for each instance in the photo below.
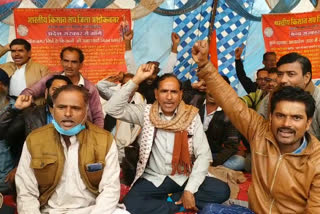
(15, 125)
(222, 136)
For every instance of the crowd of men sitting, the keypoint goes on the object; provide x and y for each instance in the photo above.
(60, 147)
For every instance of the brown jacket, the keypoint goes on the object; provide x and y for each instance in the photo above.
(285, 183)
(47, 157)
(3, 50)
(34, 71)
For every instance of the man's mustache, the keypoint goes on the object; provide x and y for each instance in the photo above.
(286, 129)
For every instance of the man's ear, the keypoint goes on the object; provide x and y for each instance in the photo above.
(306, 78)
(46, 93)
(181, 94)
(309, 121)
(270, 119)
(156, 93)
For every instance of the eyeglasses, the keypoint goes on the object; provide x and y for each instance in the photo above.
(270, 80)
(263, 79)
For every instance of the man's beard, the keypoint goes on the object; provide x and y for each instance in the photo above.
(49, 101)
(3, 99)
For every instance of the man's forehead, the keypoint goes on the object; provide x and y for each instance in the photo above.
(290, 107)
(58, 82)
(271, 57)
(293, 66)
(67, 94)
(17, 47)
(169, 82)
(71, 54)
(263, 73)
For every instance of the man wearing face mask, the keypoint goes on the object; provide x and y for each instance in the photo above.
(71, 165)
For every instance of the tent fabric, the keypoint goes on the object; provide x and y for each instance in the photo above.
(283, 6)
(191, 27)
(232, 32)
(186, 8)
(231, 28)
(152, 37)
(6, 8)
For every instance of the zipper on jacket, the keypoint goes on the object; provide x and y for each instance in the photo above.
(270, 210)
(273, 180)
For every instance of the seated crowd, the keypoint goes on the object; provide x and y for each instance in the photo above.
(63, 151)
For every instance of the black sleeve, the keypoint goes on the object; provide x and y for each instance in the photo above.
(6, 118)
(12, 129)
(16, 137)
(227, 136)
(245, 81)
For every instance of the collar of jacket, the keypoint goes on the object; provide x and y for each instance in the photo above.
(28, 63)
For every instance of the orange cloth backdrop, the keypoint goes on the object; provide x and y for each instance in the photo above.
(98, 32)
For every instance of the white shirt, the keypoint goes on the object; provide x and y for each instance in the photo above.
(81, 80)
(71, 194)
(18, 81)
(208, 117)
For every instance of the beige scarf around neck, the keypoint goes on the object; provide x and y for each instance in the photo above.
(181, 162)
(181, 121)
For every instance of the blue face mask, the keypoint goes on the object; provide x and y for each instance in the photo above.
(70, 132)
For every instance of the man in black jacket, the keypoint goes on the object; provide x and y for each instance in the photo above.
(223, 137)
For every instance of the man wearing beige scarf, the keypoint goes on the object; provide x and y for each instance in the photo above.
(174, 153)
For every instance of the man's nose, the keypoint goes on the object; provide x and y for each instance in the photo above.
(69, 64)
(283, 80)
(287, 122)
(67, 112)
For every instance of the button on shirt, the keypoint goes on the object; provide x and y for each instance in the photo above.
(18, 81)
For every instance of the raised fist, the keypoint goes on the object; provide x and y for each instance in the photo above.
(238, 52)
(23, 101)
(175, 39)
(144, 72)
(200, 52)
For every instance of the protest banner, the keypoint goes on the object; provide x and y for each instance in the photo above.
(300, 32)
(98, 32)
